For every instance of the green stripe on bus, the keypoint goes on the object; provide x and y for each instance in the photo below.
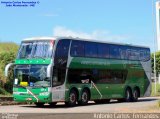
(33, 61)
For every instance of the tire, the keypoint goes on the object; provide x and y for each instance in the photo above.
(39, 104)
(72, 99)
(84, 98)
(135, 95)
(128, 95)
(52, 104)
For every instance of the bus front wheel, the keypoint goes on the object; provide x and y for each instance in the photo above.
(72, 99)
(84, 97)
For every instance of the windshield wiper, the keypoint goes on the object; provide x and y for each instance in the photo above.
(20, 86)
(39, 57)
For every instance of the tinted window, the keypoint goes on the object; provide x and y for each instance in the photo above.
(134, 54)
(58, 76)
(144, 54)
(61, 53)
(62, 48)
(123, 52)
(114, 51)
(148, 54)
(103, 50)
(77, 48)
(79, 76)
(118, 76)
(112, 76)
(97, 76)
(104, 76)
(90, 49)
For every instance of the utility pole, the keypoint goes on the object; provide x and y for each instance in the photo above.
(158, 23)
(157, 35)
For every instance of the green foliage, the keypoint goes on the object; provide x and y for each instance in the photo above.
(8, 53)
(157, 62)
(157, 89)
(3, 92)
(7, 47)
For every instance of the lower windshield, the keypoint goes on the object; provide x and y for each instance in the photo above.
(33, 76)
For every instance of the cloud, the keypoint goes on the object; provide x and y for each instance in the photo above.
(102, 35)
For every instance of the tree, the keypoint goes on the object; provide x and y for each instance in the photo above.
(5, 58)
(157, 62)
(8, 53)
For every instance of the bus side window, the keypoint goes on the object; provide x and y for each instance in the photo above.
(61, 53)
(114, 51)
(58, 76)
(103, 50)
(91, 49)
(62, 48)
(77, 48)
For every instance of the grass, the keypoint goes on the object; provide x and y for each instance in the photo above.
(157, 92)
(158, 104)
(157, 89)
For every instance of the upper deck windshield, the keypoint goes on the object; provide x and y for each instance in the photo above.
(36, 49)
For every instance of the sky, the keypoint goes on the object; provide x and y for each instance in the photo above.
(120, 21)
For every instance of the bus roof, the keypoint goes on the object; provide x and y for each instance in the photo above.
(38, 39)
(81, 39)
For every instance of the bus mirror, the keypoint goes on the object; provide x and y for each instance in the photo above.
(49, 70)
(7, 68)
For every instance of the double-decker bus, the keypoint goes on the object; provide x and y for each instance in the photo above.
(74, 70)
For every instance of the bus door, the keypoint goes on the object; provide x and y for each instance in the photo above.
(59, 70)
(58, 90)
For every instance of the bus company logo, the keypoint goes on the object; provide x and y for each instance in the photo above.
(9, 116)
(95, 63)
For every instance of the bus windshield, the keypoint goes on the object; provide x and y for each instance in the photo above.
(33, 76)
(36, 49)
(25, 50)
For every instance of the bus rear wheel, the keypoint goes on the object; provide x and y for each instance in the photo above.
(72, 99)
(135, 95)
(84, 97)
(128, 95)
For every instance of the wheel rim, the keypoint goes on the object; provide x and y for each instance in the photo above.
(84, 97)
(135, 94)
(72, 97)
(128, 95)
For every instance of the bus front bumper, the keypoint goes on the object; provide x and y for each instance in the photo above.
(41, 97)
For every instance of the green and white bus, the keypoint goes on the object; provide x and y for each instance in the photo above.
(74, 70)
